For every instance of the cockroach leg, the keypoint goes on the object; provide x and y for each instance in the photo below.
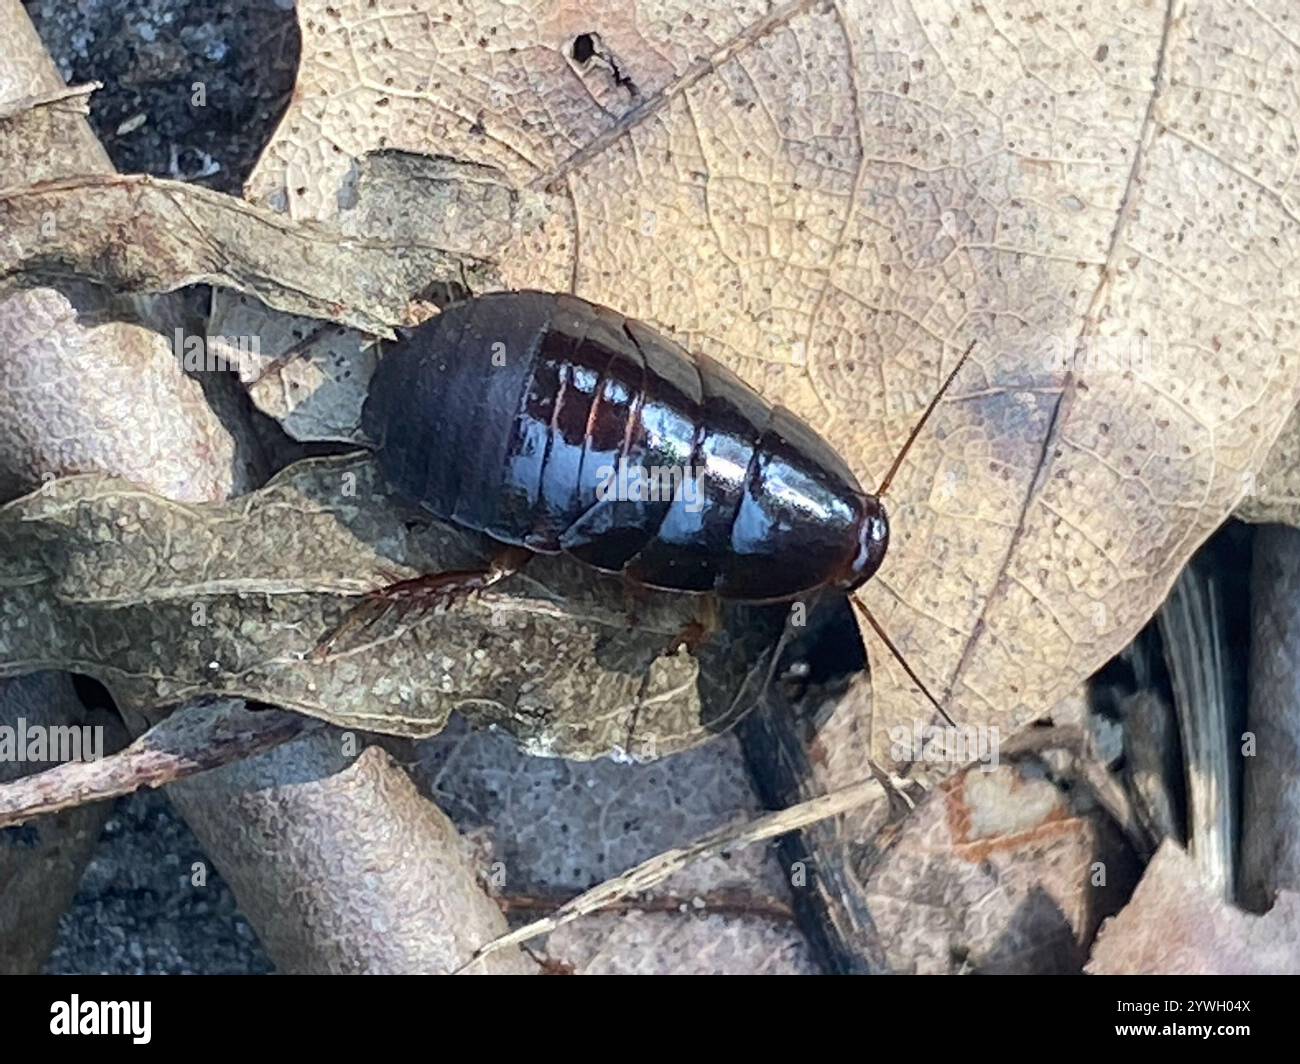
(422, 593)
(445, 589)
(361, 616)
(706, 624)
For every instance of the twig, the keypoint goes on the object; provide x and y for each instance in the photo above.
(724, 903)
(198, 737)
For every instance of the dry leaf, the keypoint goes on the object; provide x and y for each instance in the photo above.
(343, 867)
(163, 601)
(999, 872)
(41, 136)
(834, 200)
(1273, 494)
(551, 828)
(304, 372)
(78, 397)
(135, 233)
(1176, 924)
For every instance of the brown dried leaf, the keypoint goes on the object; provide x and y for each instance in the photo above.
(136, 233)
(1176, 924)
(317, 392)
(834, 200)
(303, 373)
(999, 872)
(163, 601)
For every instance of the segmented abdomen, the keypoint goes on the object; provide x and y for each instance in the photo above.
(557, 424)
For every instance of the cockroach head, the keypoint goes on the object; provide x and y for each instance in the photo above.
(873, 540)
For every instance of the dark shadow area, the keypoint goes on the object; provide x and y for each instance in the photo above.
(211, 79)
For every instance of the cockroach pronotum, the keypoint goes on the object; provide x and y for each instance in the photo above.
(517, 413)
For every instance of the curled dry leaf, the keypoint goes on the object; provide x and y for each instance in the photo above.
(834, 199)
(315, 382)
(303, 372)
(341, 865)
(40, 135)
(65, 383)
(73, 97)
(163, 601)
(135, 233)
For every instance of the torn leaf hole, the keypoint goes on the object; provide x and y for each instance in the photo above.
(591, 55)
(584, 47)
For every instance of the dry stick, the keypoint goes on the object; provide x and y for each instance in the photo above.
(198, 737)
(721, 902)
(654, 871)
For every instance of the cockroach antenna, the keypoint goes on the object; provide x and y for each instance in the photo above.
(916, 429)
(898, 656)
(884, 487)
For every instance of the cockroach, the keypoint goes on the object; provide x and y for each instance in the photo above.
(555, 425)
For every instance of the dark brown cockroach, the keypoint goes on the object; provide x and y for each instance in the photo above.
(528, 415)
